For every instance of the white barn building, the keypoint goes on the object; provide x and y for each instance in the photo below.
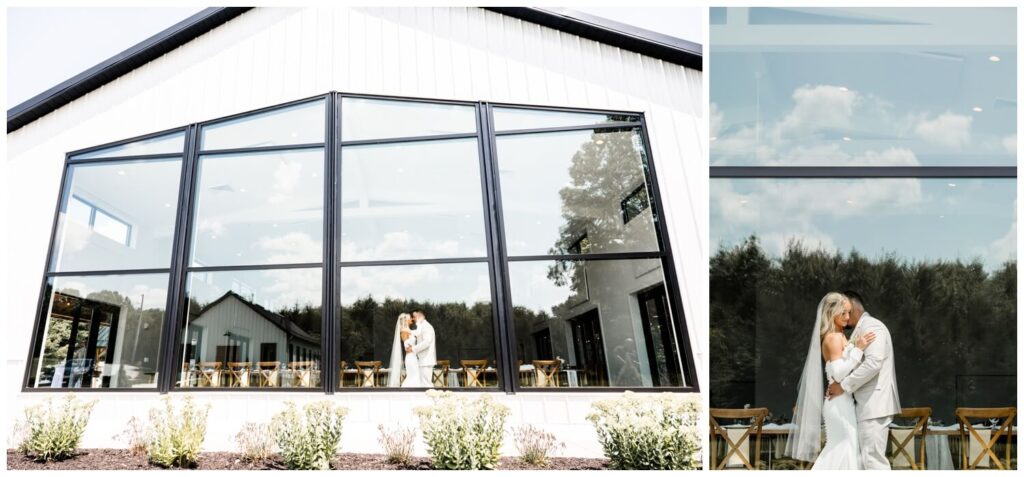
(270, 187)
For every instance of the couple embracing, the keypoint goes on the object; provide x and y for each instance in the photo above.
(859, 399)
(413, 348)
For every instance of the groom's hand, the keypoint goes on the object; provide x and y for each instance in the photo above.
(834, 390)
(408, 349)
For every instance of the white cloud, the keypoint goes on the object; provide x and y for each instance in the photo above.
(717, 118)
(947, 129)
(286, 178)
(818, 107)
(1010, 143)
(293, 247)
(1005, 247)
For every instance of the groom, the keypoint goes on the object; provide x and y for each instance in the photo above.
(424, 348)
(873, 384)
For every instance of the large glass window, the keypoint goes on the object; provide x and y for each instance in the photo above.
(457, 351)
(412, 201)
(259, 208)
(252, 329)
(596, 323)
(523, 244)
(558, 186)
(930, 245)
(117, 215)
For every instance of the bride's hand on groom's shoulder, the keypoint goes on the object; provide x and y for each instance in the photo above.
(865, 340)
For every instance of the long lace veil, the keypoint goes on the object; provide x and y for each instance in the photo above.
(804, 441)
(397, 357)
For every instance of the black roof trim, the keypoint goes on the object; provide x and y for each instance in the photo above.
(627, 37)
(639, 40)
(119, 64)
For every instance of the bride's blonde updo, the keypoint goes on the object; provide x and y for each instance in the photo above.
(402, 317)
(833, 305)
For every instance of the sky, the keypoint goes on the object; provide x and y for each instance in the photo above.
(29, 37)
(886, 88)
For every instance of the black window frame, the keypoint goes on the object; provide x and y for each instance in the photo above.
(497, 259)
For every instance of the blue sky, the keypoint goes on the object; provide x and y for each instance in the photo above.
(886, 87)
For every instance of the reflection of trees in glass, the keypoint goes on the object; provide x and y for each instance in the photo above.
(463, 331)
(950, 321)
(604, 172)
(140, 331)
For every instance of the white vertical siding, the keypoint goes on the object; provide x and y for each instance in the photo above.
(272, 55)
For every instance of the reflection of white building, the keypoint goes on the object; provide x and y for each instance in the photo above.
(226, 61)
(232, 329)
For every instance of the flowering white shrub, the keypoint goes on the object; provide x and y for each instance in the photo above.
(177, 438)
(653, 431)
(255, 442)
(310, 439)
(462, 434)
(49, 433)
(535, 445)
(397, 444)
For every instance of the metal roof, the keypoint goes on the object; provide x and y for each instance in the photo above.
(599, 29)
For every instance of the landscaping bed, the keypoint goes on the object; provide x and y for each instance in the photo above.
(122, 459)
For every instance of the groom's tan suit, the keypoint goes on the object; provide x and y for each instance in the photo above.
(873, 385)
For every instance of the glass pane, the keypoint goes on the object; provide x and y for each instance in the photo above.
(559, 187)
(596, 323)
(454, 343)
(375, 119)
(117, 216)
(259, 208)
(507, 119)
(170, 144)
(934, 259)
(100, 332)
(252, 329)
(412, 200)
(298, 124)
(883, 87)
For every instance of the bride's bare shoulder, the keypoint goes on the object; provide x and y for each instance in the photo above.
(832, 345)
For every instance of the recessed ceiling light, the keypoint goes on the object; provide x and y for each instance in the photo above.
(942, 216)
(166, 204)
(599, 141)
(849, 201)
(743, 201)
(847, 138)
(120, 173)
(843, 88)
(241, 190)
(993, 58)
(951, 184)
(714, 138)
(977, 109)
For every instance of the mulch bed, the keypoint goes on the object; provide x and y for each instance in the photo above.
(121, 459)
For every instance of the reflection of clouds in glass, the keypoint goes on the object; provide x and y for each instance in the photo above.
(532, 288)
(286, 177)
(138, 289)
(947, 129)
(214, 227)
(399, 244)
(818, 107)
(293, 247)
(783, 211)
(461, 282)
(290, 287)
(1010, 143)
(1005, 247)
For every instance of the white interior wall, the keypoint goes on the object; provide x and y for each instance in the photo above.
(273, 55)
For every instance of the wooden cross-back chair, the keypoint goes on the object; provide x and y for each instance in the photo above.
(267, 373)
(440, 373)
(209, 374)
(903, 442)
(474, 370)
(302, 373)
(546, 371)
(969, 434)
(755, 418)
(366, 373)
(238, 374)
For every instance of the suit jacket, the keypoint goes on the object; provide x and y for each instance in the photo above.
(424, 348)
(873, 383)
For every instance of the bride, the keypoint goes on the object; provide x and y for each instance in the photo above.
(404, 336)
(828, 344)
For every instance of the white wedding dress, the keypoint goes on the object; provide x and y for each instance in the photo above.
(412, 365)
(842, 447)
